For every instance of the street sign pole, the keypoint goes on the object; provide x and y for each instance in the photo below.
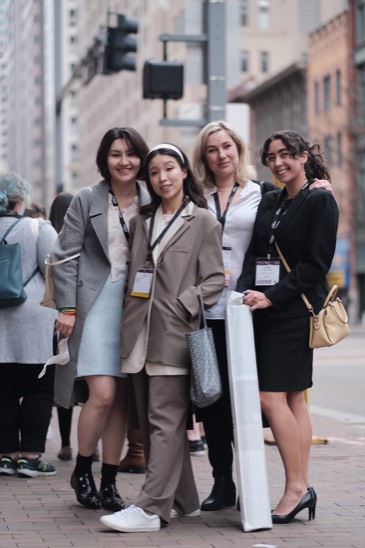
(214, 55)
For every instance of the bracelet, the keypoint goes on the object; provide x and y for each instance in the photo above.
(268, 300)
(68, 311)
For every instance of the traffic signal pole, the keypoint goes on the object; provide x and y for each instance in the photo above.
(216, 60)
(214, 51)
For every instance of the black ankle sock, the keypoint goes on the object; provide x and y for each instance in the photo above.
(83, 465)
(108, 474)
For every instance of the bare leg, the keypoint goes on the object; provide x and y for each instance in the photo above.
(299, 408)
(115, 431)
(94, 415)
(286, 433)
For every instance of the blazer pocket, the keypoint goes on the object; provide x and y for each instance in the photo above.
(179, 249)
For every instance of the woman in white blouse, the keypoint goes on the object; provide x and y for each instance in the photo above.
(221, 163)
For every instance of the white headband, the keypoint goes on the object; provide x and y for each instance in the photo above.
(171, 147)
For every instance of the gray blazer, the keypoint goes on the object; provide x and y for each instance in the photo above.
(78, 282)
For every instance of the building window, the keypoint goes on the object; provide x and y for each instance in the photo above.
(264, 61)
(316, 97)
(339, 150)
(73, 43)
(245, 61)
(361, 93)
(244, 20)
(74, 153)
(338, 87)
(326, 93)
(360, 20)
(73, 124)
(263, 19)
(72, 17)
(328, 150)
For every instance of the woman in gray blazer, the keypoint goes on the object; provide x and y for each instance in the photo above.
(89, 291)
(175, 247)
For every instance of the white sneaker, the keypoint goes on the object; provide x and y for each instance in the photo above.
(175, 514)
(132, 520)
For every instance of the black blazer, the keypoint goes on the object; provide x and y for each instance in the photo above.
(306, 236)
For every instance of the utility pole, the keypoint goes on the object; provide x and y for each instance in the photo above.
(213, 42)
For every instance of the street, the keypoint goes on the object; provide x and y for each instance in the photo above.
(339, 379)
(44, 512)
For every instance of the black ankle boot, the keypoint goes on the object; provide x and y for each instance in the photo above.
(85, 490)
(110, 498)
(223, 494)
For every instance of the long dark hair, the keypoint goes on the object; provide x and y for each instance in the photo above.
(134, 140)
(191, 188)
(59, 208)
(296, 145)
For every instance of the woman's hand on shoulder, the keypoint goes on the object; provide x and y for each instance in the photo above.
(321, 183)
(255, 300)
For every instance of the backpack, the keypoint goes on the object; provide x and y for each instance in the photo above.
(12, 291)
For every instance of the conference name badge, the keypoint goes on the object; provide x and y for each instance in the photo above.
(143, 282)
(267, 271)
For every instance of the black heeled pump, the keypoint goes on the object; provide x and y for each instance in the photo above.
(308, 500)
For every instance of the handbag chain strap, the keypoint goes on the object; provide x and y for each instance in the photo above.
(202, 320)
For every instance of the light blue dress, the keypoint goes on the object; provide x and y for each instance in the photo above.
(100, 343)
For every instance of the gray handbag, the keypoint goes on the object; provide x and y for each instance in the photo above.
(205, 380)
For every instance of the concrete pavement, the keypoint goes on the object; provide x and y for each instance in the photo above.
(44, 513)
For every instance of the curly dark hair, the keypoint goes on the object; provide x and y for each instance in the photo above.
(191, 187)
(296, 145)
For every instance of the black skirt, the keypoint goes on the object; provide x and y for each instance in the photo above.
(284, 359)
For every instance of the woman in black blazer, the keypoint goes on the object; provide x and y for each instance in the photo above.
(304, 225)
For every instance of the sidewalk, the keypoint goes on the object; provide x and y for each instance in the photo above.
(44, 513)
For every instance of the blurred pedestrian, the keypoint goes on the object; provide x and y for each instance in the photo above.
(57, 214)
(25, 341)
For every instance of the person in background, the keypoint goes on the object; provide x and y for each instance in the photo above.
(134, 461)
(89, 292)
(304, 226)
(35, 211)
(175, 248)
(25, 342)
(221, 163)
(57, 213)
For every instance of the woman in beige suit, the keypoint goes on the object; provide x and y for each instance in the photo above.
(175, 247)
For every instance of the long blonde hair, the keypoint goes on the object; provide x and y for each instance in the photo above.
(245, 170)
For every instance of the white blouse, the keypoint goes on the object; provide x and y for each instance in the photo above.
(118, 245)
(237, 234)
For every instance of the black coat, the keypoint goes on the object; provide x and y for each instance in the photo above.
(306, 236)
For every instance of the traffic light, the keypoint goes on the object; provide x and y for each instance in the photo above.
(163, 80)
(119, 45)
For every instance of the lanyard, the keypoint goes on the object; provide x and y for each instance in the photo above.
(151, 246)
(222, 217)
(279, 214)
(121, 218)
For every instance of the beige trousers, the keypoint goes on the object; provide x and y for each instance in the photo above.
(162, 404)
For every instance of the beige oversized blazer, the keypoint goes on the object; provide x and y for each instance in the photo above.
(191, 257)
